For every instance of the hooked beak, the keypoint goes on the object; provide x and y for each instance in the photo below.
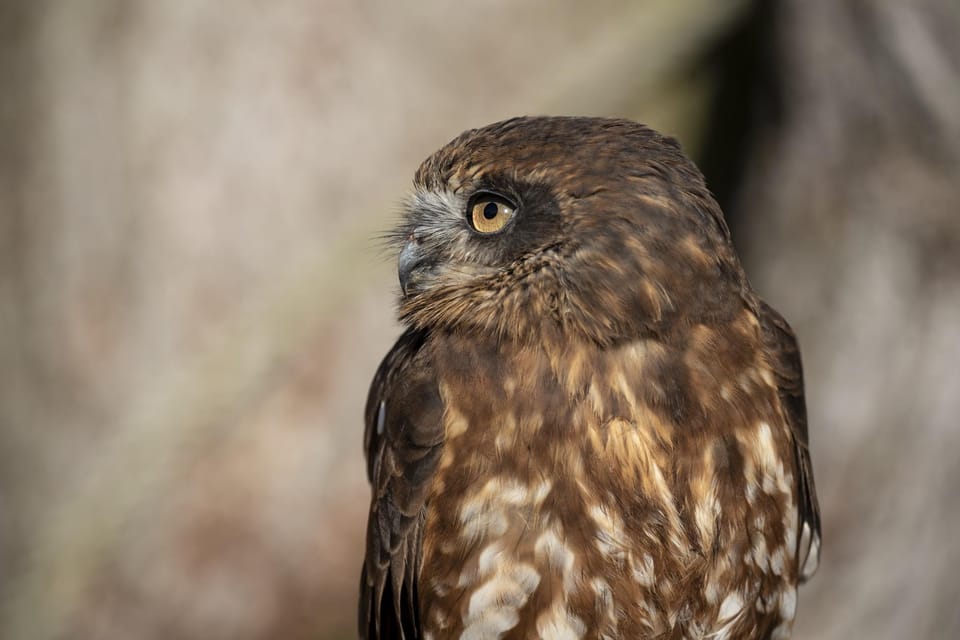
(411, 257)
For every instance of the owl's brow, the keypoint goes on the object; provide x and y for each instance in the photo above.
(435, 201)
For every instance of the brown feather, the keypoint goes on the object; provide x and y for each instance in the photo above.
(403, 440)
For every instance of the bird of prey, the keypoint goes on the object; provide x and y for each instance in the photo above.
(592, 426)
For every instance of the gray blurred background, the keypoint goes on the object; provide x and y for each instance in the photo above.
(193, 299)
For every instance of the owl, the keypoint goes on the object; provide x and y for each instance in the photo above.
(592, 426)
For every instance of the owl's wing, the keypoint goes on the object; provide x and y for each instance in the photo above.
(403, 438)
(781, 345)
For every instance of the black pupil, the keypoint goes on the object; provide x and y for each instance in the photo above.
(490, 211)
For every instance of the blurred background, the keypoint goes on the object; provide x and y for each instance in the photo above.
(193, 300)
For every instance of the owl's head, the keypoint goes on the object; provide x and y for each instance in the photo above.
(594, 228)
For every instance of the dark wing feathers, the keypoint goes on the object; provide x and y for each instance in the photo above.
(403, 439)
(781, 346)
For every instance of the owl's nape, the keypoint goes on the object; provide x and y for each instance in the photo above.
(592, 426)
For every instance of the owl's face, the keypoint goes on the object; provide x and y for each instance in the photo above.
(455, 235)
(541, 222)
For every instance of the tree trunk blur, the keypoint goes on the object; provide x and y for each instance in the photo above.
(847, 213)
(192, 299)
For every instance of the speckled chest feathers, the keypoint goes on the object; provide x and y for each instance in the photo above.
(592, 427)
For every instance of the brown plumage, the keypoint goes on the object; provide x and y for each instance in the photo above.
(592, 427)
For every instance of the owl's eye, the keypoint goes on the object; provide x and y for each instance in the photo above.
(490, 213)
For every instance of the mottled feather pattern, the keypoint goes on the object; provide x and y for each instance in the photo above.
(592, 427)
(403, 444)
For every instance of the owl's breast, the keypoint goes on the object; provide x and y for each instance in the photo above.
(573, 499)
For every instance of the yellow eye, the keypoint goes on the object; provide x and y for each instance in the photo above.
(489, 215)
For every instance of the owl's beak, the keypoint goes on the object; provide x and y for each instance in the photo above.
(410, 258)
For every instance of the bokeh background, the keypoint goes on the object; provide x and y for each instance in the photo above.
(193, 299)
